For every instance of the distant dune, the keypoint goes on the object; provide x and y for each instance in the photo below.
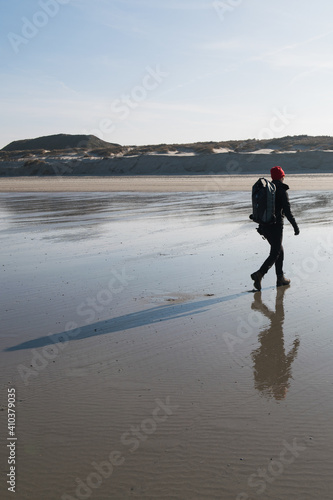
(59, 142)
(87, 155)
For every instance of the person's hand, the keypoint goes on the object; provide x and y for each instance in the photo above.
(296, 230)
(296, 342)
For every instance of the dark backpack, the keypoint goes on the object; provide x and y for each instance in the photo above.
(263, 202)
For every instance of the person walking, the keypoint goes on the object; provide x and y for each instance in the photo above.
(274, 232)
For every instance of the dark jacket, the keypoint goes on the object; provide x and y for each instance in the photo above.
(282, 205)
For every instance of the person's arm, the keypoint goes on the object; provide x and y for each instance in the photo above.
(287, 212)
(292, 353)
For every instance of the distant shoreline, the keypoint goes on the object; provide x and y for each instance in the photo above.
(158, 184)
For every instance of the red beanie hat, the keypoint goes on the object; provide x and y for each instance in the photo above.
(277, 173)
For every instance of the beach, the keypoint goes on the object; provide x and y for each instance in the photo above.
(143, 362)
(157, 183)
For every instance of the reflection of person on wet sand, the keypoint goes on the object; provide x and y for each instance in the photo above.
(272, 366)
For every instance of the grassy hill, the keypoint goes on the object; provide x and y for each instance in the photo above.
(60, 142)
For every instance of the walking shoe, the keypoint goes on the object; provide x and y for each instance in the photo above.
(282, 281)
(257, 277)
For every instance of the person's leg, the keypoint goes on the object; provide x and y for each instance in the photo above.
(280, 279)
(273, 234)
(279, 263)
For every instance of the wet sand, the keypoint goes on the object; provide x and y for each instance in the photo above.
(158, 183)
(145, 366)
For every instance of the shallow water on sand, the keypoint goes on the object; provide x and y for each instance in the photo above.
(116, 305)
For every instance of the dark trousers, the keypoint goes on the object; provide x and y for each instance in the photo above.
(273, 235)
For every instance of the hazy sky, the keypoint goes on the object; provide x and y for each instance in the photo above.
(166, 71)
